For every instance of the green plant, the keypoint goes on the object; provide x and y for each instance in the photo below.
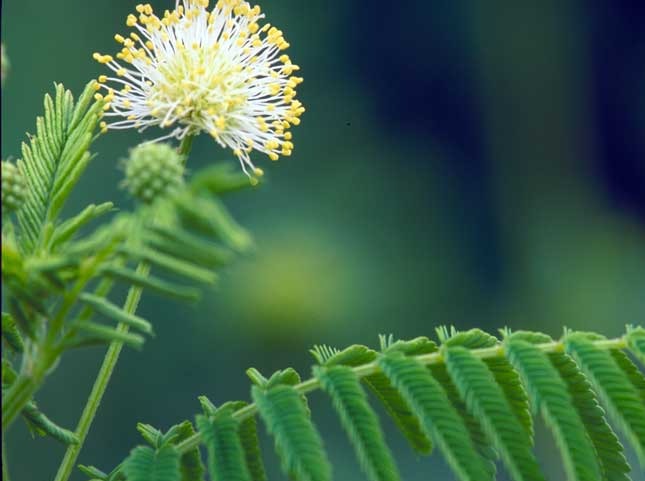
(472, 395)
(58, 274)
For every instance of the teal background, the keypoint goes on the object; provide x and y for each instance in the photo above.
(463, 163)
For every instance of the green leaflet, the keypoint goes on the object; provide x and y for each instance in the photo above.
(116, 313)
(608, 448)
(226, 460)
(172, 264)
(54, 159)
(501, 369)
(146, 464)
(439, 419)
(623, 401)
(630, 369)
(477, 435)
(297, 441)
(220, 178)
(394, 404)
(109, 334)
(550, 395)
(488, 403)
(352, 356)
(151, 283)
(636, 342)
(192, 468)
(359, 420)
(248, 432)
(11, 334)
(67, 229)
(45, 426)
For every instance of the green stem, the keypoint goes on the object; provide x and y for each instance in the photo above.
(5, 466)
(100, 385)
(372, 368)
(107, 367)
(186, 145)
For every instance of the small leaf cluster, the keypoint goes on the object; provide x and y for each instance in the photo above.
(474, 396)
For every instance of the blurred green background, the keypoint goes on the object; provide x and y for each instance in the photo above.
(470, 163)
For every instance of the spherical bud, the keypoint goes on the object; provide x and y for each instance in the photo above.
(14, 188)
(153, 171)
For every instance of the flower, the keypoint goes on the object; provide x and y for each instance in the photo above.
(195, 69)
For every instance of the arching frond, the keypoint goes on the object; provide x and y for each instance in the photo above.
(359, 421)
(487, 401)
(622, 399)
(439, 419)
(550, 396)
(297, 440)
(225, 453)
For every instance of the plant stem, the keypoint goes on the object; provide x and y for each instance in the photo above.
(5, 466)
(186, 145)
(100, 384)
(372, 368)
(107, 367)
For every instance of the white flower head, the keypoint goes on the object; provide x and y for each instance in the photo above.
(214, 70)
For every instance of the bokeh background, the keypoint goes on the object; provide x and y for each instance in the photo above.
(473, 163)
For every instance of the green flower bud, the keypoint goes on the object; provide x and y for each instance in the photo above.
(153, 171)
(14, 188)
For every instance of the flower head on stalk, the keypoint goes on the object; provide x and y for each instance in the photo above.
(197, 69)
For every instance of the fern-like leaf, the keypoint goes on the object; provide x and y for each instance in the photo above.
(439, 419)
(506, 377)
(55, 158)
(225, 453)
(636, 342)
(477, 434)
(297, 441)
(11, 334)
(608, 448)
(248, 432)
(622, 399)
(192, 468)
(550, 395)
(146, 464)
(487, 401)
(359, 420)
(632, 372)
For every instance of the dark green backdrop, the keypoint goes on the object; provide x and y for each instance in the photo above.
(463, 163)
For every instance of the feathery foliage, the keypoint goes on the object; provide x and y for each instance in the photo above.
(55, 158)
(550, 396)
(226, 460)
(360, 422)
(624, 403)
(297, 440)
(487, 401)
(454, 396)
(147, 464)
(439, 418)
